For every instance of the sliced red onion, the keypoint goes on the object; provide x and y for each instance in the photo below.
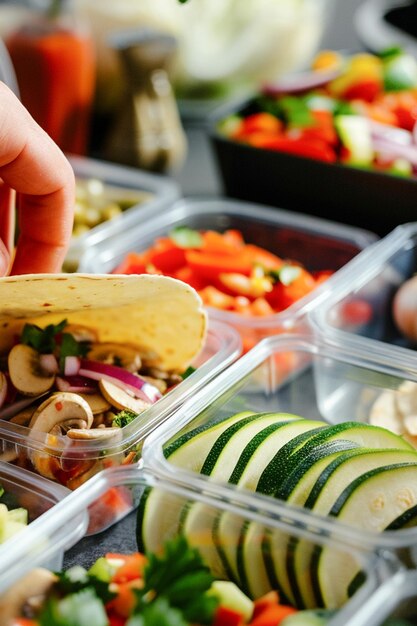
(13, 409)
(72, 365)
(48, 363)
(391, 133)
(120, 377)
(395, 150)
(301, 81)
(75, 384)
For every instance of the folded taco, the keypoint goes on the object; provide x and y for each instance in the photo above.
(83, 355)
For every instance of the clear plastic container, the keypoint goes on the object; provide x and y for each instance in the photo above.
(302, 376)
(118, 184)
(315, 243)
(38, 495)
(22, 557)
(72, 462)
(358, 311)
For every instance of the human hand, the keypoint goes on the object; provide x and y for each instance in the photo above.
(32, 165)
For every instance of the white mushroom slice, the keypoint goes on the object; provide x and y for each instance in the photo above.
(98, 404)
(93, 433)
(406, 398)
(34, 584)
(59, 409)
(26, 372)
(127, 357)
(121, 399)
(57, 414)
(81, 333)
(384, 413)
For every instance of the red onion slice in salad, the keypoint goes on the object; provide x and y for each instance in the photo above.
(120, 377)
(301, 81)
(13, 409)
(75, 384)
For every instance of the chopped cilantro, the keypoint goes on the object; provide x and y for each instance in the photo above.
(77, 578)
(190, 370)
(185, 237)
(181, 577)
(42, 339)
(159, 613)
(69, 346)
(124, 418)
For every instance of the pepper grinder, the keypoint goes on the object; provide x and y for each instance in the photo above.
(147, 132)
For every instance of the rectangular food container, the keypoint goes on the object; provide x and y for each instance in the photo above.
(358, 311)
(367, 199)
(122, 187)
(38, 495)
(316, 244)
(375, 568)
(72, 462)
(306, 377)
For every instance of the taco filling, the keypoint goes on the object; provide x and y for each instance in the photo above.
(82, 356)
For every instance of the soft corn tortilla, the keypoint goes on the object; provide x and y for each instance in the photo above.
(150, 311)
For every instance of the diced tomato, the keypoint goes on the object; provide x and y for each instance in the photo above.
(261, 139)
(309, 148)
(366, 90)
(265, 601)
(227, 617)
(406, 116)
(125, 600)
(115, 620)
(261, 122)
(131, 569)
(133, 263)
(273, 615)
(282, 296)
(322, 130)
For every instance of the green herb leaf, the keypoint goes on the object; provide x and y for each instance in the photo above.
(185, 237)
(158, 613)
(181, 577)
(124, 418)
(77, 579)
(390, 53)
(69, 346)
(190, 370)
(296, 112)
(42, 339)
(77, 609)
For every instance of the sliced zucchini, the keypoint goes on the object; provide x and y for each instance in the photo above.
(371, 502)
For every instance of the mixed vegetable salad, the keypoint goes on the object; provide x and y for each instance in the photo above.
(228, 273)
(172, 589)
(358, 110)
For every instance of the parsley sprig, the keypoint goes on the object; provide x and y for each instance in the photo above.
(52, 339)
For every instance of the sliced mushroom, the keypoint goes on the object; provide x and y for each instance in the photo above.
(93, 433)
(81, 333)
(98, 404)
(26, 372)
(59, 413)
(61, 408)
(121, 399)
(34, 584)
(127, 357)
(3, 388)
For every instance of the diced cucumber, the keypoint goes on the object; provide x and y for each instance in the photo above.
(355, 134)
(371, 502)
(19, 515)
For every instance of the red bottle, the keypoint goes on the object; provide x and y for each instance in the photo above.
(54, 61)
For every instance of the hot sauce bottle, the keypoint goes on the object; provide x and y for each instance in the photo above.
(54, 61)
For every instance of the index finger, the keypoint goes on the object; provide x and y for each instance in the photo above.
(33, 165)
